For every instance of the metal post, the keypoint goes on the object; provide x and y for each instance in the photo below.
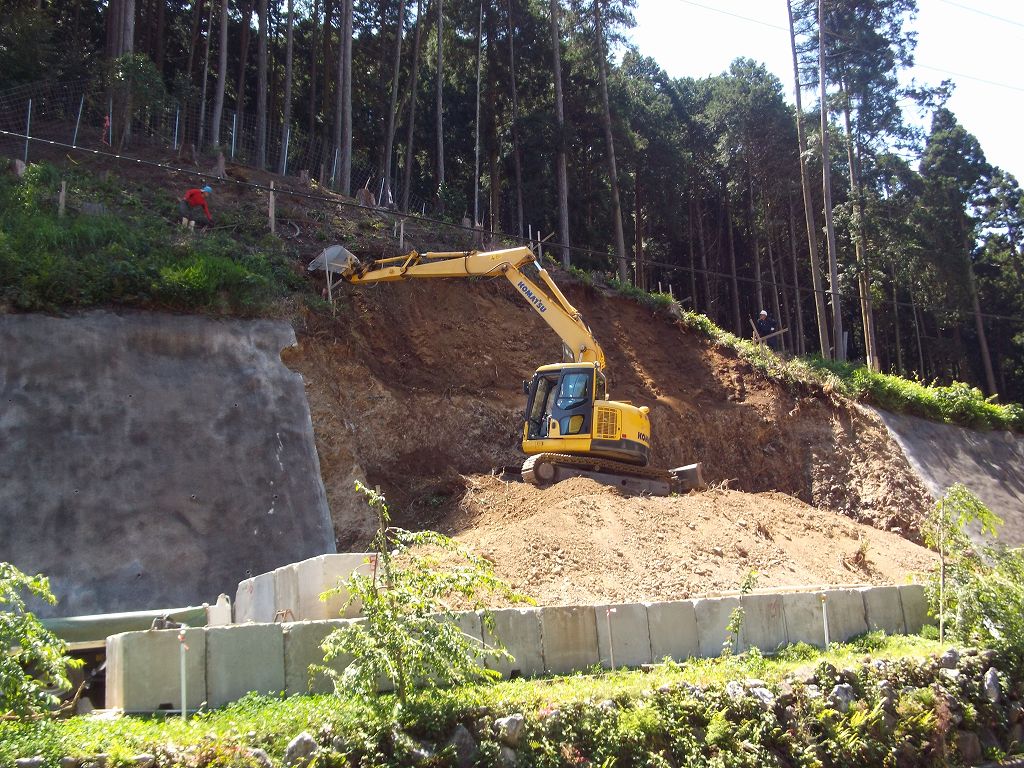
(334, 168)
(78, 120)
(234, 124)
(611, 640)
(28, 129)
(177, 115)
(184, 676)
(284, 151)
(824, 617)
(271, 209)
(110, 121)
(401, 235)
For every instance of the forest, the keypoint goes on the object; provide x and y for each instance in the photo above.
(870, 238)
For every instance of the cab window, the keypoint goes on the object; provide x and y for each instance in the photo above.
(601, 386)
(574, 391)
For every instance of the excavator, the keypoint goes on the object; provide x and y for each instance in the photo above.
(572, 428)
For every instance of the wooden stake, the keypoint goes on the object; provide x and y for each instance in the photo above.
(61, 199)
(401, 235)
(273, 223)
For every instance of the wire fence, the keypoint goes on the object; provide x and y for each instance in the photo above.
(84, 113)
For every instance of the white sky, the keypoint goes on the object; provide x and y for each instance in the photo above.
(967, 41)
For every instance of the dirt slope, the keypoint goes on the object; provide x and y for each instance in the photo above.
(415, 385)
(579, 542)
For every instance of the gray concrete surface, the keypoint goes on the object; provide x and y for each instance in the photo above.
(569, 638)
(302, 642)
(153, 460)
(673, 628)
(713, 614)
(623, 635)
(847, 616)
(804, 618)
(518, 631)
(915, 607)
(144, 670)
(230, 671)
(764, 622)
(884, 610)
(991, 464)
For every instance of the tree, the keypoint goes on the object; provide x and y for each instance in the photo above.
(261, 85)
(34, 661)
(561, 174)
(286, 121)
(826, 183)
(439, 108)
(222, 72)
(411, 127)
(409, 634)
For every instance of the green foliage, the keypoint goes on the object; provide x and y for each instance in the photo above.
(735, 624)
(410, 633)
(33, 665)
(979, 589)
(129, 255)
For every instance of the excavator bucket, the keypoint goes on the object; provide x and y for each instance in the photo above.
(335, 260)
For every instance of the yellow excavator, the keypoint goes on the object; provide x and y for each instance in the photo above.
(572, 428)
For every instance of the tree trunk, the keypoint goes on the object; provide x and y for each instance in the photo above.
(517, 162)
(561, 173)
(826, 186)
(798, 337)
(737, 320)
(805, 186)
(411, 128)
(120, 23)
(641, 277)
(222, 71)
(979, 326)
(755, 234)
(261, 85)
(314, 45)
(439, 109)
(476, 123)
(860, 246)
(243, 58)
(286, 122)
(896, 320)
(331, 9)
(775, 290)
(708, 300)
(693, 259)
(387, 198)
(345, 53)
(606, 119)
(206, 72)
(160, 29)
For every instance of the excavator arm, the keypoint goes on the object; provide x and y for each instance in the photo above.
(549, 302)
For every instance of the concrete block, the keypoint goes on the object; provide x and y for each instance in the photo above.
(318, 574)
(846, 614)
(712, 616)
(144, 670)
(286, 594)
(518, 631)
(219, 613)
(243, 658)
(764, 623)
(803, 613)
(568, 638)
(673, 629)
(255, 600)
(623, 635)
(302, 642)
(884, 610)
(915, 607)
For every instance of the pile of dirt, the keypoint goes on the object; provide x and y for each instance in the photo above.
(579, 542)
(414, 385)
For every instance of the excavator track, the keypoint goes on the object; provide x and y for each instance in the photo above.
(545, 469)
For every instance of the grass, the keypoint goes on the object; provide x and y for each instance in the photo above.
(222, 737)
(132, 254)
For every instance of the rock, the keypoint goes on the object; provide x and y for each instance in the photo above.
(990, 685)
(1015, 736)
(510, 729)
(765, 697)
(950, 659)
(969, 747)
(786, 694)
(300, 750)
(84, 706)
(787, 716)
(734, 690)
(464, 746)
(30, 762)
(142, 760)
(952, 675)
(842, 696)
(812, 691)
(988, 739)
(988, 658)
(261, 757)
(753, 682)
(1016, 713)
(70, 762)
(507, 757)
(969, 652)
(97, 761)
(608, 705)
(717, 551)
(887, 695)
(18, 169)
(825, 673)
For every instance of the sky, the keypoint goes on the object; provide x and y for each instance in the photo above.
(978, 44)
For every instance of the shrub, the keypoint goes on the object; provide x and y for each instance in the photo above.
(32, 659)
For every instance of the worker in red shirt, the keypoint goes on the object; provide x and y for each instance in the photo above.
(194, 202)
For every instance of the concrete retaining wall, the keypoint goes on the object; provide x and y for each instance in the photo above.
(292, 592)
(223, 663)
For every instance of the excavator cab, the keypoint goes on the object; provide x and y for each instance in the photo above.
(568, 412)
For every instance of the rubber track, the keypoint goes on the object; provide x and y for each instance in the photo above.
(595, 465)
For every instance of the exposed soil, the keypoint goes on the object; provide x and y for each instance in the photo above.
(579, 542)
(416, 387)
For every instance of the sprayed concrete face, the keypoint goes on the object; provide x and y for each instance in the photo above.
(153, 460)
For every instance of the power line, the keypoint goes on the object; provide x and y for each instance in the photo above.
(735, 15)
(983, 13)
